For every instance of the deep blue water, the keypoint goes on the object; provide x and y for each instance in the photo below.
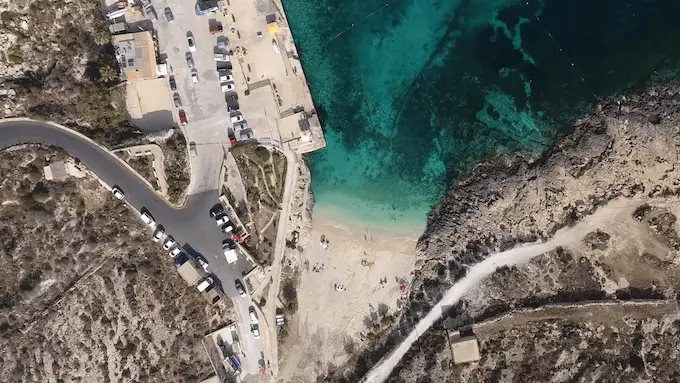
(413, 93)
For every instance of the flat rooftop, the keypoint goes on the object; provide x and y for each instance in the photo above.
(465, 349)
(149, 104)
(136, 55)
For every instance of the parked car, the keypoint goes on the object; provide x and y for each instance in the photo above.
(178, 102)
(241, 126)
(216, 210)
(173, 84)
(239, 288)
(146, 218)
(221, 219)
(228, 87)
(191, 43)
(169, 243)
(117, 192)
(255, 329)
(221, 57)
(190, 60)
(175, 252)
(205, 284)
(194, 77)
(168, 14)
(223, 348)
(223, 45)
(182, 117)
(151, 14)
(237, 118)
(227, 228)
(203, 263)
(226, 77)
(158, 235)
(253, 315)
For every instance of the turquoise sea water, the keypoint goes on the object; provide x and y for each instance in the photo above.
(413, 93)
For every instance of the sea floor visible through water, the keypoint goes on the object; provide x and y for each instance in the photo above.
(413, 93)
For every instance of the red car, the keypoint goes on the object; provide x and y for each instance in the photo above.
(182, 117)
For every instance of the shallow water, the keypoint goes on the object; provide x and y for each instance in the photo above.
(413, 93)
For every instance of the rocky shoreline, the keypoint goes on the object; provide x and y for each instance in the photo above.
(627, 149)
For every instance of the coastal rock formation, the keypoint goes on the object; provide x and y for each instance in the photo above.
(623, 158)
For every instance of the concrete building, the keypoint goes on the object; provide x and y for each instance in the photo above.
(464, 349)
(56, 171)
(60, 170)
(136, 55)
(190, 272)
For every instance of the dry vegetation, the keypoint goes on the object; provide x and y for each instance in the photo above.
(52, 59)
(142, 165)
(263, 175)
(84, 294)
(176, 165)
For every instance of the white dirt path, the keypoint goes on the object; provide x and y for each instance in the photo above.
(615, 211)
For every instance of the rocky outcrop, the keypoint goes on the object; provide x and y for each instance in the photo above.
(615, 152)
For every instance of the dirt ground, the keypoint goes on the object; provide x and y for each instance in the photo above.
(262, 173)
(84, 294)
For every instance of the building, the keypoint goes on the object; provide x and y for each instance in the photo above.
(190, 272)
(56, 171)
(136, 55)
(60, 170)
(464, 349)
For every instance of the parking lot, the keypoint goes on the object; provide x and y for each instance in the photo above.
(208, 120)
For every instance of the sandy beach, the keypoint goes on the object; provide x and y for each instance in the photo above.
(370, 264)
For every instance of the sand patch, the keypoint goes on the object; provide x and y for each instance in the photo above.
(329, 323)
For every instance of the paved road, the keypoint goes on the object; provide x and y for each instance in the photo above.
(191, 226)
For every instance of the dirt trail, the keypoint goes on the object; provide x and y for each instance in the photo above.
(616, 211)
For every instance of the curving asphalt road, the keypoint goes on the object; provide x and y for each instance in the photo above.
(191, 225)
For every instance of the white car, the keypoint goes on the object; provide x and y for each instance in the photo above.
(146, 218)
(227, 229)
(226, 77)
(241, 126)
(117, 192)
(253, 315)
(191, 43)
(203, 263)
(175, 252)
(169, 243)
(194, 77)
(239, 288)
(221, 57)
(221, 220)
(255, 329)
(229, 87)
(237, 118)
(158, 235)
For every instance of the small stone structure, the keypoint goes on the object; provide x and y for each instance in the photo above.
(464, 349)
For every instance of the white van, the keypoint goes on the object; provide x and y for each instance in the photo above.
(205, 284)
(231, 255)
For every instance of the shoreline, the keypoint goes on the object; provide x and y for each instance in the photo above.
(339, 219)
